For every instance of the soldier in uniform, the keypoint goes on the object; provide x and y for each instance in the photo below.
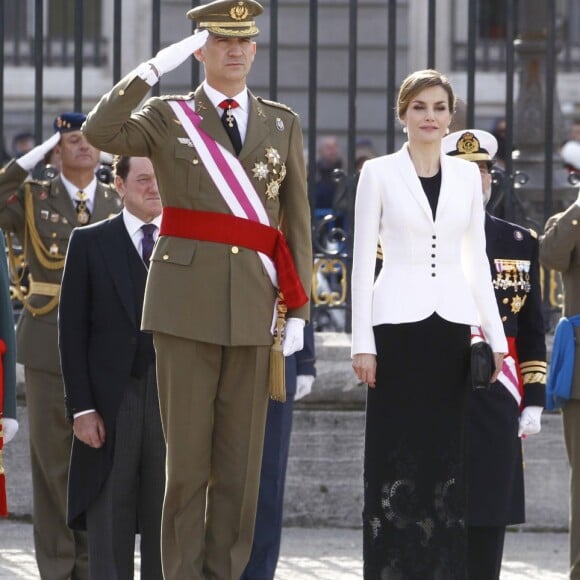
(235, 227)
(512, 407)
(560, 251)
(42, 214)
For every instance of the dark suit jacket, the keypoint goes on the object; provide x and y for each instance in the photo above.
(100, 341)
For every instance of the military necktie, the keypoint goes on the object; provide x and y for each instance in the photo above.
(230, 124)
(148, 242)
(83, 213)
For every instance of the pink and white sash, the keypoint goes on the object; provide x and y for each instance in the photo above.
(227, 173)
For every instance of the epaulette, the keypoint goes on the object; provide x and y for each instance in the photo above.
(177, 97)
(276, 104)
(533, 233)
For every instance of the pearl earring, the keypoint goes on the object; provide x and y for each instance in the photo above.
(405, 130)
(447, 131)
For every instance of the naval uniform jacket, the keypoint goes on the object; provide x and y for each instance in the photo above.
(102, 347)
(560, 251)
(429, 265)
(55, 217)
(210, 292)
(495, 469)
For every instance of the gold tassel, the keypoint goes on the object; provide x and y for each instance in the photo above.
(277, 377)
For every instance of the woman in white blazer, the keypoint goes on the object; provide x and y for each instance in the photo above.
(411, 337)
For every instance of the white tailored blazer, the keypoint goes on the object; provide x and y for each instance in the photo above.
(428, 265)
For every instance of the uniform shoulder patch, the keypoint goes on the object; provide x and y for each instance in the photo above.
(276, 104)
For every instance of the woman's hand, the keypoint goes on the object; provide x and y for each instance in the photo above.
(498, 360)
(365, 367)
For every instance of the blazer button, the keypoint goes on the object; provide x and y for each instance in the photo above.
(195, 161)
(432, 265)
(574, 222)
(434, 237)
(433, 275)
(504, 318)
(235, 249)
(166, 256)
(432, 255)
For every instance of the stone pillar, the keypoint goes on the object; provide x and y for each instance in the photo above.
(530, 116)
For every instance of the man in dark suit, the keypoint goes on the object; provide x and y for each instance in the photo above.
(512, 407)
(235, 229)
(300, 374)
(117, 466)
(43, 214)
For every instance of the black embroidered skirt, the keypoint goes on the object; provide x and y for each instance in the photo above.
(414, 481)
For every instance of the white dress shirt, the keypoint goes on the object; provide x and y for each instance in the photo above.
(89, 191)
(241, 112)
(133, 226)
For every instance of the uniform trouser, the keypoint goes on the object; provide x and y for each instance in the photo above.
(60, 552)
(485, 552)
(213, 402)
(132, 495)
(268, 529)
(571, 416)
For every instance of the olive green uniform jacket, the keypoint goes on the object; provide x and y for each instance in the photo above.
(54, 216)
(204, 291)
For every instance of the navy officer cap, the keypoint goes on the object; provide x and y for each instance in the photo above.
(67, 122)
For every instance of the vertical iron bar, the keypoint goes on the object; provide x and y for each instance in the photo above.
(273, 50)
(391, 72)
(431, 32)
(194, 64)
(352, 84)
(509, 105)
(117, 39)
(38, 67)
(155, 38)
(79, 49)
(550, 87)
(471, 42)
(312, 100)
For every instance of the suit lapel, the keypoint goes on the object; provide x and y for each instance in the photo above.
(409, 175)
(210, 120)
(114, 243)
(257, 128)
(62, 202)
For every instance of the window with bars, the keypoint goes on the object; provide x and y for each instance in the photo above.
(59, 33)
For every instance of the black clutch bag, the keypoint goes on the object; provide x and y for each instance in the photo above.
(482, 365)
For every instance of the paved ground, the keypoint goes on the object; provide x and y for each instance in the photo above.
(323, 554)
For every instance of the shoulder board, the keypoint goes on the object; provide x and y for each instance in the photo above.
(177, 97)
(276, 104)
(34, 183)
(533, 233)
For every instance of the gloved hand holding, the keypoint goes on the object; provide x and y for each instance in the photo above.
(29, 160)
(293, 336)
(530, 421)
(175, 54)
(10, 427)
(303, 386)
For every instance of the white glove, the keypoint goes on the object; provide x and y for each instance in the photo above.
(530, 421)
(29, 160)
(10, 427)
(173, 55)
(293, 336)
(303, 386)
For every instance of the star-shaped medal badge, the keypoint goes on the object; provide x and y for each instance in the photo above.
(272, 156)
(273, 189)
(260, 170)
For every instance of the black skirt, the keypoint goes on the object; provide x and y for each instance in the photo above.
(414, 480)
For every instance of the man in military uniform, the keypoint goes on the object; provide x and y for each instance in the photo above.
(42, 214)
(512, 407)
(560, 251)
(235, 226)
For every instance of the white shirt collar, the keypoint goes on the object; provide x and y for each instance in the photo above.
(72, 189)
(133, 223)
(216, 98)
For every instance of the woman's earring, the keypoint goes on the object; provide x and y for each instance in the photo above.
(404, 129)
(447, 131)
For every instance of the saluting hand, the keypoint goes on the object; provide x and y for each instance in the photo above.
(90, 429)
(175, 54)
(365, 367)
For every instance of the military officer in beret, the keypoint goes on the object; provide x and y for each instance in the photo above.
(235, 228)
(511, 409)
(43, 214)
(560, 251)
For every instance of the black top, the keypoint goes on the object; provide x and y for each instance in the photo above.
(431, 187)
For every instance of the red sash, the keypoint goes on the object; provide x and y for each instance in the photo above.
(228, 229)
